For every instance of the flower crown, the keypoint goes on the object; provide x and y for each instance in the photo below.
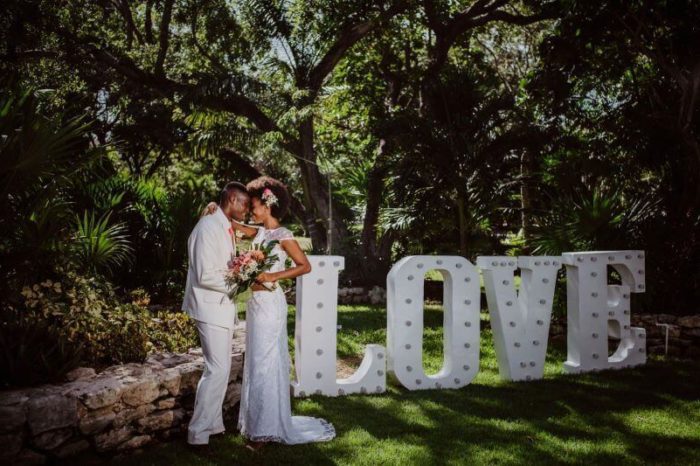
(269, 198)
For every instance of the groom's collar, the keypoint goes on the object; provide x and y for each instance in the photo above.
(222, 218)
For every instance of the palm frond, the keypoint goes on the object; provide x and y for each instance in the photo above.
(97, 244)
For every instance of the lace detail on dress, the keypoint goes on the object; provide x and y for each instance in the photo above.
(327, 435)
(278, 234)
(265, 410)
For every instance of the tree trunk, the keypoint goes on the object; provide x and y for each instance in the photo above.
(375, 188)
(463, 227)
(526, 197)
(376, 252)
(316, 199)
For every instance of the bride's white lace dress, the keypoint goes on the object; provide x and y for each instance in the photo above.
(265, 410)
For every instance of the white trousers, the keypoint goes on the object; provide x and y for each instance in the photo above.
(207, 418)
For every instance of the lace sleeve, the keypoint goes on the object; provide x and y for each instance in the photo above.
(282, 234)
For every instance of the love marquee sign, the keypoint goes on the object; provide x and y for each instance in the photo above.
(596, 310)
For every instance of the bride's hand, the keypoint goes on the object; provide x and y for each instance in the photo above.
(209, 209)
(266, 277)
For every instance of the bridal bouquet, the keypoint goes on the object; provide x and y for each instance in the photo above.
(244, 267)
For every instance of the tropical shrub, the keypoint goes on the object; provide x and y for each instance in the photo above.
(74, 319)
(33, 352)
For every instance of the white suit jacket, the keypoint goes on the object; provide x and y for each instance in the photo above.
(210, 247)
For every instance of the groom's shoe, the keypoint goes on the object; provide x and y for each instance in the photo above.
(217, 435)
(201, 450)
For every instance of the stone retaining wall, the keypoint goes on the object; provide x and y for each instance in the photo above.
(683, 333)
(119, 409)
(360, 295)
(352, 295)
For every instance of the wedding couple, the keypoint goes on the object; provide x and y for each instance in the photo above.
(265, 409)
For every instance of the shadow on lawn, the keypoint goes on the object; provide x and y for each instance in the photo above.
(530, 421)
(596, 418)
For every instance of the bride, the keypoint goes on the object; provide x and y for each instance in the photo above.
(265, 411)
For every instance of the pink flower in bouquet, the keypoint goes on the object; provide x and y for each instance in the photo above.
(244, 268)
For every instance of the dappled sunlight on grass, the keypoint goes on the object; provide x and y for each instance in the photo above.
(635, 416)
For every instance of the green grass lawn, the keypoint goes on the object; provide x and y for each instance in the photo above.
(649, 415)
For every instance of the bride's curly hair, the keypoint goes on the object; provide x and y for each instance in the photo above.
(256, 188)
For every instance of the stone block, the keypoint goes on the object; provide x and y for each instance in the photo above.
(72, 448)
(161, 420)
(10, 445)
(112, 438)
(167, 403)
(13, 418)
(52, 439)
(679, 342)
(674, 331)
(690, 321)
(29, 457)
(377, 295)
(14, 397)
(135, 442)
(51, 412)
(666, 319)
(168, 360)
(170, 379)
(96, 421)
(125, 416)
(236, 366)
(141, 391)
(80, 373)
(100, 392)
(189, 376)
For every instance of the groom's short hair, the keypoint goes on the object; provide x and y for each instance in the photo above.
(233, 187)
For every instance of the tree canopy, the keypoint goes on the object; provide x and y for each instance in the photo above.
(434, 126)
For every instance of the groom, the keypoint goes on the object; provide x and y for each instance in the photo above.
(210, 247)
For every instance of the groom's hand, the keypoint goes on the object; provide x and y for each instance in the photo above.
(210, 209)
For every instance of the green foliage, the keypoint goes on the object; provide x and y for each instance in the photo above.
(99, 244)
(593, 219)
(85, 314)
(35, 149)
(445, 127)
(448, 164)
(32, 352)
(39, 157)
(172, 331)
(67, 203)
